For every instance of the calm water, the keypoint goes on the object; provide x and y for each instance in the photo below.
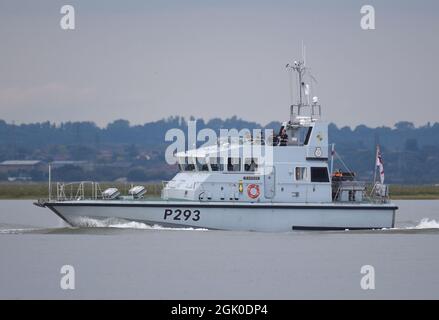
(133, 260)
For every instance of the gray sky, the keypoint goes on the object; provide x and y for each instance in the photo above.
(145, 60)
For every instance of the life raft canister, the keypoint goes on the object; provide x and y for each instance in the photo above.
(253, 191)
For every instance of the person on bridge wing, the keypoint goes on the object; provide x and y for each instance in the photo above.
(277, 138)
(283, 138)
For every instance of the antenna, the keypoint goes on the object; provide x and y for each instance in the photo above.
(290, 78)
(50, 182)
(303, 53)
(299, 67)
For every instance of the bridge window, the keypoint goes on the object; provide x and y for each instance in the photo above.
(181, 163)
(308, 135)
(202, 164)
(185, 165)
(300, 173)
(188, 164)
(216, 165)
(233, 164)
(251, 164)
(319, 174)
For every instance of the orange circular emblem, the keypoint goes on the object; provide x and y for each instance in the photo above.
(253, 191)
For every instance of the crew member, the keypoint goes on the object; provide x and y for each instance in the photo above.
(283, 138)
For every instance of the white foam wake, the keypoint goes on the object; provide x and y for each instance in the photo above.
(124, 224)
(427, 224)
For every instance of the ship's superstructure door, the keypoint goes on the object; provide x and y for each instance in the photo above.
(269, 183)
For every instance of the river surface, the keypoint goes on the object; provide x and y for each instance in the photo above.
(131, 260)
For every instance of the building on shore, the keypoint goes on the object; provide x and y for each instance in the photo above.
(21, 170)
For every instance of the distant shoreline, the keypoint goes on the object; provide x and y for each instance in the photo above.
(34, 191)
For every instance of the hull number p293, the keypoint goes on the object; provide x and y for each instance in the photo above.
(179, 215)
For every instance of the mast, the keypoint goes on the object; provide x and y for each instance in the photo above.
(375, 165)
(304, 110)
(300, 85)
(50, 181)
(300, 69)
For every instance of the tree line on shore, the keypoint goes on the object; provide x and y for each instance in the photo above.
(136, 152)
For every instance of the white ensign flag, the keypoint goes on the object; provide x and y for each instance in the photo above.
(380, 165)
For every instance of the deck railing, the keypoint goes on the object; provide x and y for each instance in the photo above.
(377, 193)
(305, 111)
(79, 190)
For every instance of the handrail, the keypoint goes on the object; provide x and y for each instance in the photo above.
(371, 197)
(304, 111)
(77, 190)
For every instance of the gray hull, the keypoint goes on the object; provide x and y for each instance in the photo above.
(233, 216)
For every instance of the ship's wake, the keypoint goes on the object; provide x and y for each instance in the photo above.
(85, 225)
(118, 223)
(426, 223)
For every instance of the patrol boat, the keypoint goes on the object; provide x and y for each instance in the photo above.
(285, 182)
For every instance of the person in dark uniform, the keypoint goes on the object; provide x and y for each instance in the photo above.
(283, 138)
